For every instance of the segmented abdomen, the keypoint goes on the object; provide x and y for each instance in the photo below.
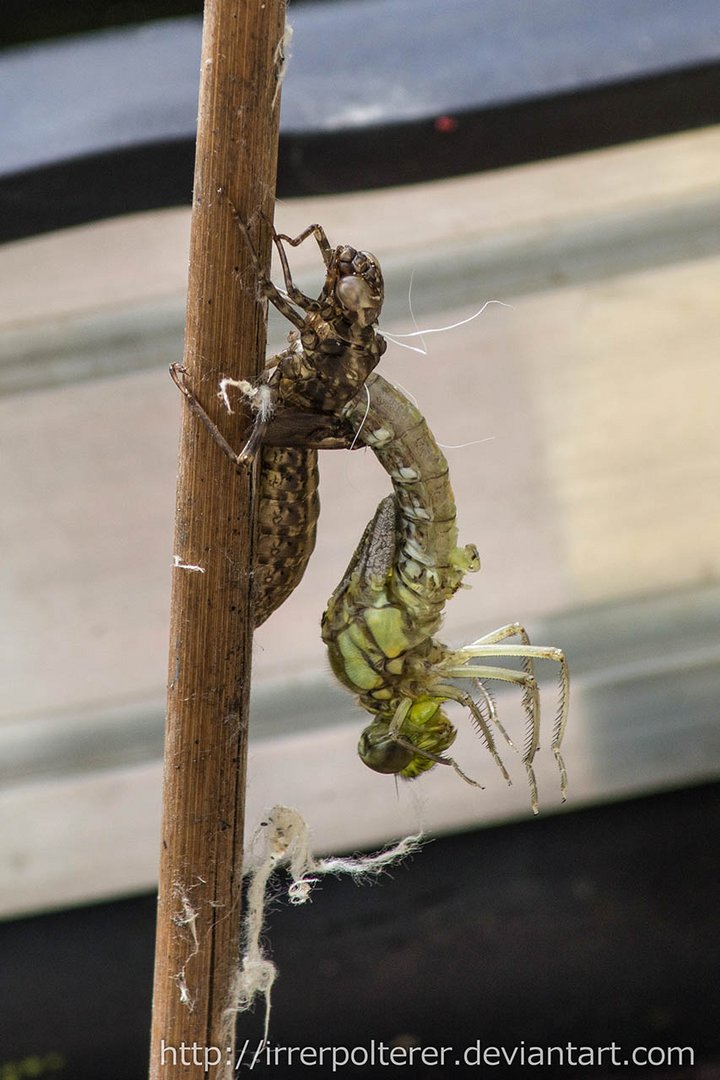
(320, 380)
(289, 505)
(428, 566)
(380, 621)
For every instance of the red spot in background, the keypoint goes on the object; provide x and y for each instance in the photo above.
(445, 124)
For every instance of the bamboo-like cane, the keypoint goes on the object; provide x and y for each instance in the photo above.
(198, 934)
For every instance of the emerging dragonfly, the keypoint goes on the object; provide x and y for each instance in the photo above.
(380, 622)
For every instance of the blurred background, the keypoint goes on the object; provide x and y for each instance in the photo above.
(560, 157)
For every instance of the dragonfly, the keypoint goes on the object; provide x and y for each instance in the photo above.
(380, 623)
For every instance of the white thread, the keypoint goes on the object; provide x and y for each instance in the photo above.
(245, 388)
(438, 329)
(412, 348)
(286, 842)
(282, 59)
(362, 422)
(178, 562)
(462, 445)
(265, 404)
(461, 322)
(260, 397)
(186, 918)
(410, 308)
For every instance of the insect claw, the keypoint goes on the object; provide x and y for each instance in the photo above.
(533, 788)
(177, 374)
(463, 776)
(563, 773)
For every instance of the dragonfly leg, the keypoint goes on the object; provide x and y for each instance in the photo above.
(285, 428)
(267, 288)
(312, 230)
(495, 646)
(453, 694)
(177, 373)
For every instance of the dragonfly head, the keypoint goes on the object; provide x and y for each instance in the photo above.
(425, 734)
(358, 284)
(381, 752)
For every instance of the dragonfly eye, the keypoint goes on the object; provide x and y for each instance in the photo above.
(353, 293)
(380, 752)
(356, 295)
